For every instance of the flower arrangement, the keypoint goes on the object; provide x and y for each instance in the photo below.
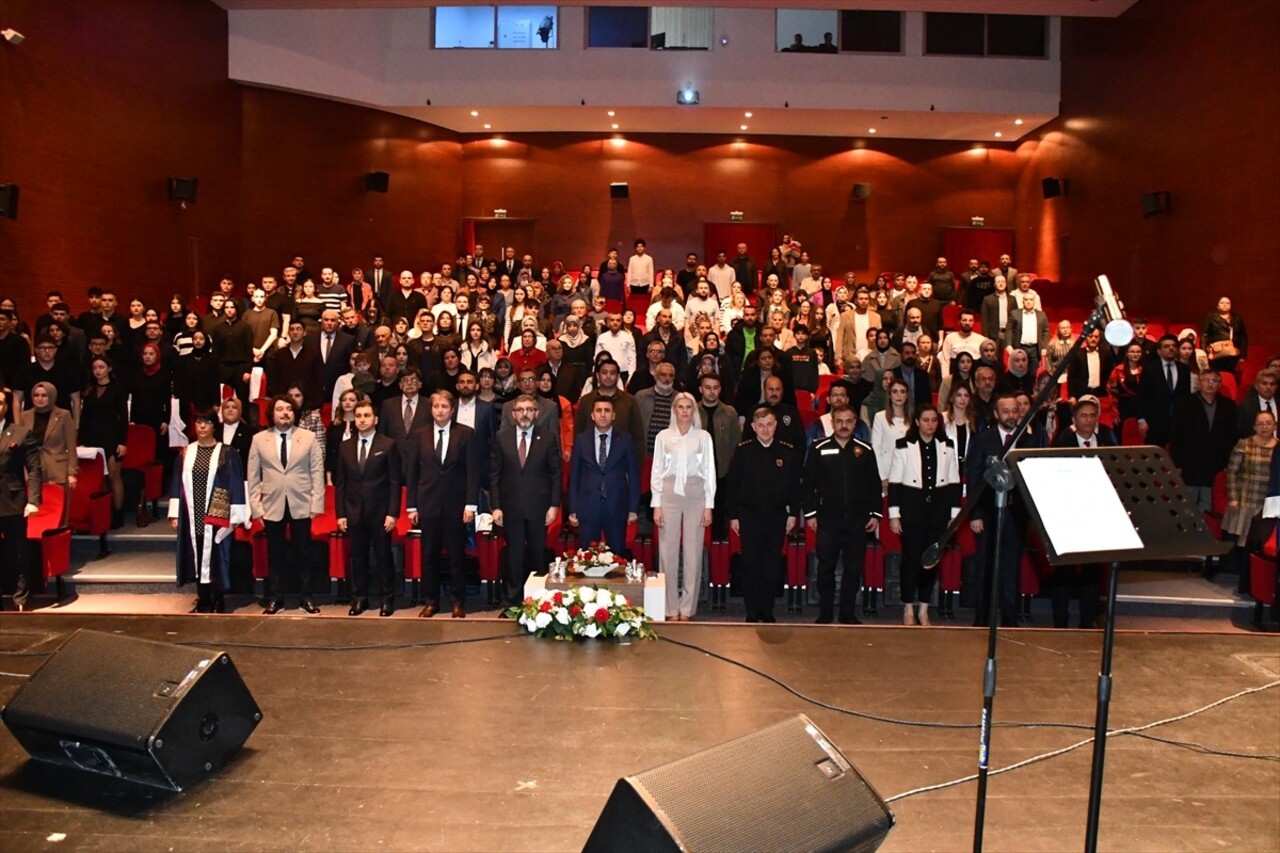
(581, 611)
(596, 559)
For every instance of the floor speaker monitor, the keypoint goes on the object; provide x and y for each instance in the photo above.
(153, 713)
(785, 787)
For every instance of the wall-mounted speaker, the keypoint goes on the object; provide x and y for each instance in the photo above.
(377, 182)
(153, 713)
(862, 191)
(1053, 187)
(1154, 204)
(182, 189)
(9, 200)
(786, 787)
(619, 189)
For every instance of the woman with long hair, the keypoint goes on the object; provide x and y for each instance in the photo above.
(104, 423)
(342, 427)
(308, 307)
(485, 380)
(731, 310)
(683, 486)
(476, 352)
(959, 420)
(891, 424)
(521, 306)
(1122, 385)
(776, 265)
(175, 317)
(137, 318)
(924, 495)
(1187, 355)
(1225, 338)
(961, 374)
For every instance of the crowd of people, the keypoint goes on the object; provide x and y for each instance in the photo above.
(751, 396)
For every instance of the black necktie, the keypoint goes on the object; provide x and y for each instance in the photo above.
(440, 445)
(284, 450)
(1168, 369)
(604, 449)
(364, 452)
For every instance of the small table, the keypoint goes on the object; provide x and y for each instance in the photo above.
(652, 595)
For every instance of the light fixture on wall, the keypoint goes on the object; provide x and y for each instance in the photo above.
(12, 36)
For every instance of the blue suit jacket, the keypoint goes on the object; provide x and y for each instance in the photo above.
(620, 477)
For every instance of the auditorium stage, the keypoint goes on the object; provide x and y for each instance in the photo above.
(494, 741)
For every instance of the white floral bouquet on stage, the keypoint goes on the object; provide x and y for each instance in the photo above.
(582, 611)
(595, 560)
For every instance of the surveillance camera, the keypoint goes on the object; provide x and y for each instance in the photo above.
(12, 36)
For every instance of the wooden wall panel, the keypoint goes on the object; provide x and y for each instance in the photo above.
(677, 183)
(305, 162)
(1179, 96)
(102, 102)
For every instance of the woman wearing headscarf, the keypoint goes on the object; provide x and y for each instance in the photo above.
(104, 422)
(195, 377)
(55, 431)
(207, 501)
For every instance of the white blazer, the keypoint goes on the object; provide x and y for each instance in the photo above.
(905, 468)
(300, 484)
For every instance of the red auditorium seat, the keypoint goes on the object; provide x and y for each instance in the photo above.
(141, 456)
(91, 503)
(54, 539)
(1229, 388)
(1262, 579)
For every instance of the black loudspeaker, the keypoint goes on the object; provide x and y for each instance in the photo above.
(1154, 204)
(377, 182)
(862, 191)
(619, 190)
(153, 713)
(182, 189)
(786, 787)
(1053, 187)
(9, 200)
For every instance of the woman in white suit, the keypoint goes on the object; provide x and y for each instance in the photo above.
(924, 495)
(683, 483)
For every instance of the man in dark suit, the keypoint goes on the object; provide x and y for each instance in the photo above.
(1261, 396)
(524, 485)
(509, 265)
(1084, 429)
(296, 364)
(1089, 368)
(20, 486)
(1164, 380)
(403, 414)
(444, 488)
(367, 503)
(335, 348)
(604, 480)
(381, 279)
(989, 446)
(1201, 436)
(917, 380)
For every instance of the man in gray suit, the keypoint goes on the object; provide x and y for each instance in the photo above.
(19, 498)
(286, 491)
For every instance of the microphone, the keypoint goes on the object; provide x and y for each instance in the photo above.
(1119, 331)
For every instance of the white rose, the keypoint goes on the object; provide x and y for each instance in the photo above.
(586, 594)
(592, 630)
(542, 620)
(523, 619)
(623, 628)
(605, 558)
(604, 597)
(531, 626)
(562, 615)
(619, 600)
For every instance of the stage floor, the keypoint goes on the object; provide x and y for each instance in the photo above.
(509, 743)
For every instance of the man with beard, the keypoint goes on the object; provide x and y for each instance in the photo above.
(917, 380)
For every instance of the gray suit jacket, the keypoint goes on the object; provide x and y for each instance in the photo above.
(301, 484)
(58, 453)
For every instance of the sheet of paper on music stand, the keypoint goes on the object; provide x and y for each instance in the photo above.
(1078, 505)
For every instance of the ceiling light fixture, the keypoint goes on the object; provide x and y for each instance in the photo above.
(871, 130)
(475, 113)
(488, 127)
(742, 127)
(615, 125)
(999, 134)
(1017, 121)
(688, 96)
(747, 114)
(611, 114)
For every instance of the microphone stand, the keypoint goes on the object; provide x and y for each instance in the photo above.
(999, 478)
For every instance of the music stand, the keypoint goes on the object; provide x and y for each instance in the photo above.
(1159, 512)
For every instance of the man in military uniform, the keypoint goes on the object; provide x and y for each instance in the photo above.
(842, 503)
(764, 501)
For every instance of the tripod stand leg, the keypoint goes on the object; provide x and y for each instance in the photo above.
(1100, 722)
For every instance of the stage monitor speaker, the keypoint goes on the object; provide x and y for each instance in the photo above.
(152, 713)
(862, 191)
(619, 189)
(786, 787)
(1053, 187)
(9, 200)
(1154, 204)
(182, 189)
(377, 182)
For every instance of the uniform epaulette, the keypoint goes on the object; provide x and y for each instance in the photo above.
(745, 443)
(787, 444)
(823, 440)
(863, 443)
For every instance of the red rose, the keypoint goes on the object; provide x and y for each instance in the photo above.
(602, 615)
(575, 610)
(559, 599)
(546, 607)
(619, 559)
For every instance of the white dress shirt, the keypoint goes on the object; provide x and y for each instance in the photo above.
(681, 456)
